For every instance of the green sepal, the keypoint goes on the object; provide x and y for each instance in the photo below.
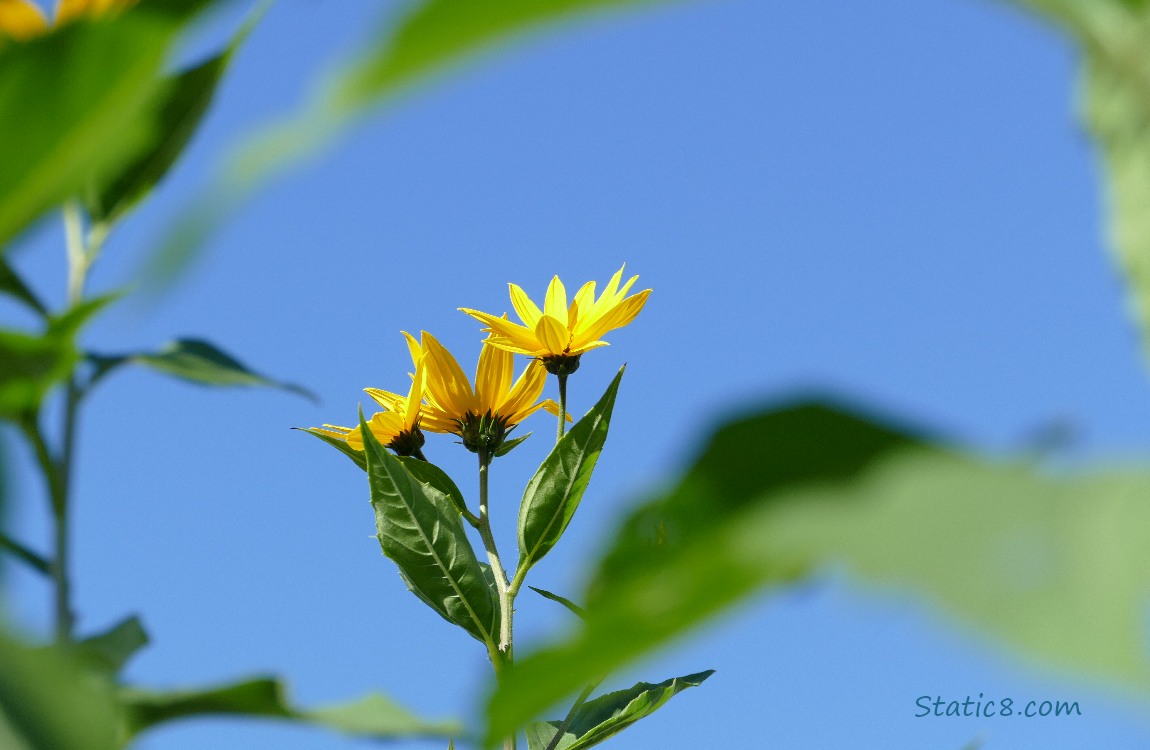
(510, 445)
(110, 650)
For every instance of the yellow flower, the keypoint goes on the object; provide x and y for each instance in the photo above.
(22, 19)
(398, 427)
(560, 331)
(482, 415)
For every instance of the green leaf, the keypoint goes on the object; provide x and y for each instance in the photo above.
(372, 716)
(575, 608)
(420, 530)
(75, 103)
(47, 702)
(339, 445)
(429, 473)
(1114, 37)
(177, 110)
(553, 494)
(110, 651)
(30, 365)
(201, 362)
(602, 718)
(1000, 545)
(12, 285)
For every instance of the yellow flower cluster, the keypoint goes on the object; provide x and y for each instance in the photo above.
(442, 398)
(22, 19)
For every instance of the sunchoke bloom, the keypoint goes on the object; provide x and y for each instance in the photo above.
(482, 416)
(559, 333)
(22, 19)
(398, 427)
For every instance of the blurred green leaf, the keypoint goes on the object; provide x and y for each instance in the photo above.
(553, 494)
(196, 361)
(1114, 37)
(76, 103)
(110, 651)
(177, 109)
(439, 33)
(339, 445)
(433, 35)
(1057, 566)
(572, 606)
(420, 530)
(10, 546)
(47, 702)
(602, 718)
(372, 716)
(30, 365)
(12, 285)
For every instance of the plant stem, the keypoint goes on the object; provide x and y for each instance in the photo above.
(56, 480)
(506, 598)
(562, 406)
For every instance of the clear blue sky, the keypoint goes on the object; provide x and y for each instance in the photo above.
(890, 200)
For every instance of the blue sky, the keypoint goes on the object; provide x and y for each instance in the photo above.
(889, 201)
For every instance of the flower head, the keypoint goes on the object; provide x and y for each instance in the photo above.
(22, 19)
(398, 427)
(559, 333)
(482, 415)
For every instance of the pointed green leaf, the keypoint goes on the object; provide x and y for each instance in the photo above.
(420, 529)
(602, 718)
(176, 112)
(575, 608)
(110, 651)
(199, 361)
(554, 492)
(339, 445)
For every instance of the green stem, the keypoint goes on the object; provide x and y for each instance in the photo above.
(562, 406)
(503, 655)
(56, 479)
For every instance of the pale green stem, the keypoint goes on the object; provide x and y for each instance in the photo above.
(506, 599)
(562, 406)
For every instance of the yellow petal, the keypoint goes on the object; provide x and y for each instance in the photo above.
(582, 304)
(69, 10)
(528, 311)
(445, 379)
(21, 20)
(415, 397)
(618, 317)
(493, 377)
(524, 393)
(552, 407)
(522, 337)
(413, 348)
(555, 306)
(553, 334)
(386, 399)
